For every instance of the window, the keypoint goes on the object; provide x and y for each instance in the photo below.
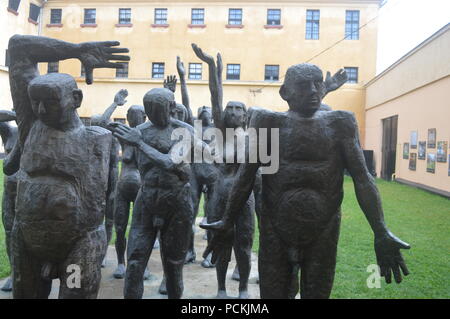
(34, 12)
(198, 16)
(352, 24)
(272, 73)
(158, 70)
(83, 71)
(86, 121)
(14, 4)
(233, 71)
(195, 71)
(123, 72)
(160, 16)
(274, 16)
(89, 16)
(312, 24)
(6, 58)
(235, 16)
(55, 16)
(352, 74)
(53, 67)
(124, 16)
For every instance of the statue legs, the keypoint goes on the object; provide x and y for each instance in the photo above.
(8, 212)
(121, 215)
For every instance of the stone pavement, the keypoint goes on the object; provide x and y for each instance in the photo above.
(199, 282)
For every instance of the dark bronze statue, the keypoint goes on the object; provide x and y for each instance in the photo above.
(163, 203)
(126, 190)
(8, 134)
(103, 120)
(300, 216)
(58, 230)
(241, 233)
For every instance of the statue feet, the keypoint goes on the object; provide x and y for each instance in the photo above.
(146, 274)
(119, 273)
(243, 294)
(222, 294)
(162, 288)
(190, 257)
(206, 263)
(104, 262)
(235, 275)
(8, 285)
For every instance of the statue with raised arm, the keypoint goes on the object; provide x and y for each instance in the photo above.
(8, 134)
(163, 203)
(300, 215)
(63, 176)
(103, 120)
(241, 232)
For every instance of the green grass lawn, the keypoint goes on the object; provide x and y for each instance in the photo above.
(418, 217)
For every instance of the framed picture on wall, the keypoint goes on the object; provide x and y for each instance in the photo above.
(431, 138)
(412, 161)
(422, 150)
(413, 139)
(442, 151)
(431, 162)
(405, 150)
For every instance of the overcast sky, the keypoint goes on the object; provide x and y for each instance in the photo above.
(403, 24)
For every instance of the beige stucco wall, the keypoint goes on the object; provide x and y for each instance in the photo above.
(401, 91)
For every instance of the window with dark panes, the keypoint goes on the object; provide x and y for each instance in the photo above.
(34, 12)
(195, 71)
(198, 16)
(125, 16)
(55, 16)
(53, 67)
(89, 16)
(274, 16)
(6, 58)
(161, 16)
(352, 24)
(312, 24)
(14, 4)
(233, 71)
(272, 73)
(235, 16)
(158, 70)
(86, 121)
(123, 72)
(352, 73)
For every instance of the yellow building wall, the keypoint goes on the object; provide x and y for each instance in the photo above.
(416, 89)
(253, 47)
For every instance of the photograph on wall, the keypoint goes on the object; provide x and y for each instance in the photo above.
(422, 150)
(431, 162)
(405, 150)
(413, 139)
(431, 138)
(442, 151)
(412, 161)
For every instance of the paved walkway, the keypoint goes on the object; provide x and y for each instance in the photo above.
(199, 283)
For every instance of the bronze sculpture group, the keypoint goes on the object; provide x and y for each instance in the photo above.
(63, 191)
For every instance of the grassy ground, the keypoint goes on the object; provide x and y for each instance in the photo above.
(418, 217)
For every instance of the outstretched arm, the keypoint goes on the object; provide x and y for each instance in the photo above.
(387, 245)
(170, 83)
(119, 100)
(6, 116)
(215, 84)
(184, 90)
(334, 82)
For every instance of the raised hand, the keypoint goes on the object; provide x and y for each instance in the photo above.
(334, 82)
(218, 242)
(180, 68)
(171, 83)
(120, 97)
(95, 55)
(202, 55)
(125, 133)
(389, 257)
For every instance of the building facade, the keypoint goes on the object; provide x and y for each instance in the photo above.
(408, 113)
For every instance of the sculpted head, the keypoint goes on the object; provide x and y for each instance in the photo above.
(235, 114)
(303, 88)
(158, 103)
(136, 115)
(54, 99)
(204, 113)
(179, 112)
